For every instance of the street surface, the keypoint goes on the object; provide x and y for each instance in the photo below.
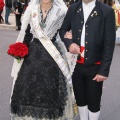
(110, 106)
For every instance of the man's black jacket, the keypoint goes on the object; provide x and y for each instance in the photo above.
(18, 5)
(99, 34)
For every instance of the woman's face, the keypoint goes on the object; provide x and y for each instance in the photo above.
(46, 1)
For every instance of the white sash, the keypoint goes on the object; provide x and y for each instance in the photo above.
(47, 43)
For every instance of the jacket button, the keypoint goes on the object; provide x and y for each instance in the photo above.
(86, 58)
(86, 34)
(78, 38)
(81, 21)
(86, 42)
(79, 30)
(86, 50)
(86, 25)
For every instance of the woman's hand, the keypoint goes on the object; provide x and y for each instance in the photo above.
(68, 35)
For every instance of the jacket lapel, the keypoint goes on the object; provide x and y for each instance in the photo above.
(80, 10)
(95, 12)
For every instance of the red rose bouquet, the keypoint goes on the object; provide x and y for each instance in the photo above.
(18, 50)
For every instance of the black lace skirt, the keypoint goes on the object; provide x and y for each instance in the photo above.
(40, 89)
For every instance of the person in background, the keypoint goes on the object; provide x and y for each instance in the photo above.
(109, 2)
(26, 4)
(1, 10)
(8, 6)
(14, 4)
(93, 38)
(73, 1)
(18, 9)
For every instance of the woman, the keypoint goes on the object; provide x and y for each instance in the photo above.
(1, 10)
(41, 89)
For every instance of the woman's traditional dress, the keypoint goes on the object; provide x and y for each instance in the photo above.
(41, 91)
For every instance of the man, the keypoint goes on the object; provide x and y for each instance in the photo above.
(93, 37)
(18, 12)
(8, 6)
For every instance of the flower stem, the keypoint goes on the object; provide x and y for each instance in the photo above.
(18, 60)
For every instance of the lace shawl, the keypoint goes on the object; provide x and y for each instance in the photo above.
(53, 22)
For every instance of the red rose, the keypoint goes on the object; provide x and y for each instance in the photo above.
(18, 50)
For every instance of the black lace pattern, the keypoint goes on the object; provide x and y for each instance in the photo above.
(40, 89)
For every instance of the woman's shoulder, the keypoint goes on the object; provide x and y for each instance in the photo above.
(60, 9)
(31, 6)
(57, 7)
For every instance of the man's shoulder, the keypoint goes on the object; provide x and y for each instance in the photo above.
(105, 8)
(74, 5)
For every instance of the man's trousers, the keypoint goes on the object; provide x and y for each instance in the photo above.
(87, 91)
(8, 10)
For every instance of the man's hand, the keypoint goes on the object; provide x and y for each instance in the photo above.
(99, 78)
(74, 48)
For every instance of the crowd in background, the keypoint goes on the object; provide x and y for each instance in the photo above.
(18, 7)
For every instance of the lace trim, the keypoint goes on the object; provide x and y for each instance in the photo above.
(30, 111)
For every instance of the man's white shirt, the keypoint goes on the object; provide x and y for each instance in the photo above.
(87, 9)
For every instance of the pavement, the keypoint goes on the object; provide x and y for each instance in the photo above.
(12, 22)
